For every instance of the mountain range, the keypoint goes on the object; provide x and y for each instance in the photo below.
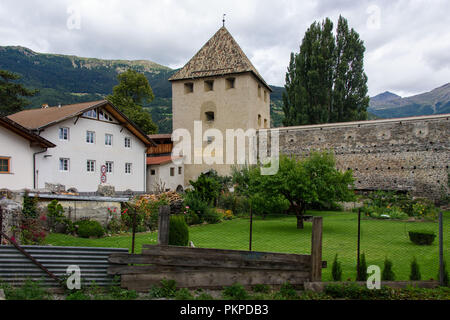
(69, 79)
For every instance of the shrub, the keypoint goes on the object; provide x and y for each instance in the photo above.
(388, 274)
(354, 291)
(264, 206)
(32, 232)
(196, 205)
(29, 209)
(206, 188)
(261, 288)
(183, 294)
(336, 270)
(287, 291)
(77, 295)
(178, 231)
(415, 271)
(30, 290)
(89, 228)
(424, 237)
(235, 292)
(362, 269)
(212, 216)
(167, 289)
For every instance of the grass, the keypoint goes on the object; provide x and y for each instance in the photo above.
(379, 239)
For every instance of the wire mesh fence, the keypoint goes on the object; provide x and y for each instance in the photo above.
(380, 239)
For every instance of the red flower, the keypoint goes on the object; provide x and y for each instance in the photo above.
(13, 239)
(43, 218)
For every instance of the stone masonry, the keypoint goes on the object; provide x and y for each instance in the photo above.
(408, 154)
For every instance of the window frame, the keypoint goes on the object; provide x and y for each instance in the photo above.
(172, 171)
(61, 133)
(109, 167)
(106, 140)
(8, 164)
(62, 165)
(128, 165)
(88, 167)
(129, 142)
(87, 136)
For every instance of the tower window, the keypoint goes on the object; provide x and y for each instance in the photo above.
(188, 87)
(265, 124)
(230, 83)
(259, 91)
(259, 120)
(265, 96)
(209, 85)
(209, 116)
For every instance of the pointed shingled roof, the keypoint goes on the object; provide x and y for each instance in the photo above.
(221, 55)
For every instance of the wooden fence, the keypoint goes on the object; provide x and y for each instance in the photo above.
(216, 268)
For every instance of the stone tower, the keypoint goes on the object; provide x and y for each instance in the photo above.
(221, 88)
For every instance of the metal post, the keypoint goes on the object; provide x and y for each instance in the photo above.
(251, 228)
(441, 249)
(359, 245)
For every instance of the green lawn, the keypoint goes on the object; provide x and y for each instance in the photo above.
(379, 238)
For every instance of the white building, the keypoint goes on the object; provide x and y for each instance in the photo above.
(95, 144)
(18, 147)
(163, 174)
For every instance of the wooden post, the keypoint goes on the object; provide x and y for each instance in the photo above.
(163, 225)
(316, 249)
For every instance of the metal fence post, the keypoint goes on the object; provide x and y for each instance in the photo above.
(251, 228)
(163, 225)
(358, 245)
(441, 249)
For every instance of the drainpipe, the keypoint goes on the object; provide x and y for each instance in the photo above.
(34, 166)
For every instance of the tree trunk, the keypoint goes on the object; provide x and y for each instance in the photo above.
(299, 209)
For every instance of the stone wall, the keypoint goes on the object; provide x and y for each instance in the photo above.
(409, 154)
(76, 210)
(11, 216)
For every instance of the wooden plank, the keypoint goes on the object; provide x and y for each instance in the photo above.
(207, 261)
(316, 249)
(221, 253)
(214, 278)
(163, 225)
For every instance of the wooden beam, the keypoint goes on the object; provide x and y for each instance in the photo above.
(209, 261)
(163, 225)
(316, 249)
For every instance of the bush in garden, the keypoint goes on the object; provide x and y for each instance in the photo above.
(206, 188)
(196, 204)
(362, 269)
(336, 270)
(32, 231)
(388, 274)
(235, 292)
(424, 237)
(89, 228)
(212, 216)
(178, 231)
(29, 208)
(415, 271)
(264, 206)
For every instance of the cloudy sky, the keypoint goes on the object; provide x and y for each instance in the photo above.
(407, 42)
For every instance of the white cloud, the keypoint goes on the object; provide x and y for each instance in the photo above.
(407, 54)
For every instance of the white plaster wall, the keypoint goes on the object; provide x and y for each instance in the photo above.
(162, 176)
(21, 162)
(79, 151)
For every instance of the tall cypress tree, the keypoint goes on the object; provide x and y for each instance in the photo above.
(325, 81)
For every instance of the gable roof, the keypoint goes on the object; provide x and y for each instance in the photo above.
(38, 119)
(161, 160)
(25, 133)
(221, 55)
